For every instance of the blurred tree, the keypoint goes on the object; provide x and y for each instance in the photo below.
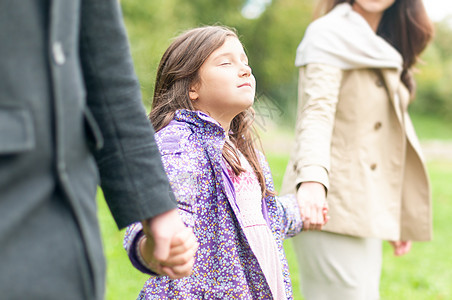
(443, 37)
(208, 12)
(434, 92)
(270, 41)
(272, 44)
(151, 25)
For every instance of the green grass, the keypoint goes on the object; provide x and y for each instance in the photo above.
(425, 273)
(432, 128)
(123, 280)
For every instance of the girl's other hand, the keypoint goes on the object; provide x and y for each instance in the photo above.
(311, 197)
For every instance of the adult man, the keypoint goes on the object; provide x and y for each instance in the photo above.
(68, 90)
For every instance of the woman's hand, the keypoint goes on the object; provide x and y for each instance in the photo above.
(311, 197)
(400, 247)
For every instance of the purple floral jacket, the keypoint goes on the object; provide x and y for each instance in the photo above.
(225, 266)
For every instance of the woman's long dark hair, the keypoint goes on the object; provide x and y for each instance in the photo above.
(179, 70)
(405, 25)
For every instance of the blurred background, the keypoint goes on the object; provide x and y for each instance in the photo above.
(271, 31)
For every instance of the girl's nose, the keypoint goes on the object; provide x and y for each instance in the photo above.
(245, 70)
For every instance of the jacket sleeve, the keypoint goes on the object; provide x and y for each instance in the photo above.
(318, 92)
(132, 237)
(132, 177)
(289, 213)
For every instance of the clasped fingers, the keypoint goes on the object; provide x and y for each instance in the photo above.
(313, 206)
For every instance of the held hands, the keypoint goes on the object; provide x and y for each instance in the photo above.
(169, 246)
(311, 197)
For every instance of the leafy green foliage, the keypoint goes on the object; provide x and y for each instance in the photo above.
(434, 92)
(270, 41)
(272, 45)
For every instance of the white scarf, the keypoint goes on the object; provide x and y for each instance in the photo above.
(344, 39)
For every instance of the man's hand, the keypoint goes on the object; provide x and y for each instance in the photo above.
(401, 247)
(311, 197)
(169, 246)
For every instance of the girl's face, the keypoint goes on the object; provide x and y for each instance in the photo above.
(372, 10)
(227, 86)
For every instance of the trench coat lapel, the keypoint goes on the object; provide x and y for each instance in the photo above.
(392, 82)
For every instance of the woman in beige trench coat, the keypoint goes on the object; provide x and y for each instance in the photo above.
(356, 155)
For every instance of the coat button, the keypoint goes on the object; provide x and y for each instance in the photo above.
(58, 53)
(377, 125)
(379, 83)
(373, 166)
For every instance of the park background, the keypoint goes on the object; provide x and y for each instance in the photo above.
(271, 33)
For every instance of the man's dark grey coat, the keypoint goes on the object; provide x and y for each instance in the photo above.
(67, 86)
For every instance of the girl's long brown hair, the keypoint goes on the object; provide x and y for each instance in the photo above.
(405, 25)
(178, 71)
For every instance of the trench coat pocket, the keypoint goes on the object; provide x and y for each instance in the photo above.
(95, 138)
(16, 131)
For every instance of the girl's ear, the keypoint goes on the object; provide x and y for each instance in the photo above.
(193, 93)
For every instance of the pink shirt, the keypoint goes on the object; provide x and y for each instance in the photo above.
(257, 232)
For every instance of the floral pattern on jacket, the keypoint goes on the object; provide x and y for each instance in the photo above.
(225, 266)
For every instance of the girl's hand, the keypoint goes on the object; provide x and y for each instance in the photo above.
(180, 259)
(401, 247)
(311, 197)
(169, 246)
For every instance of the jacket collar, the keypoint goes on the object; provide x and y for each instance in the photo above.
(344, 39)
(203, 124)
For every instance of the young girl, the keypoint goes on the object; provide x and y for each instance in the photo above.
(202, 114)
